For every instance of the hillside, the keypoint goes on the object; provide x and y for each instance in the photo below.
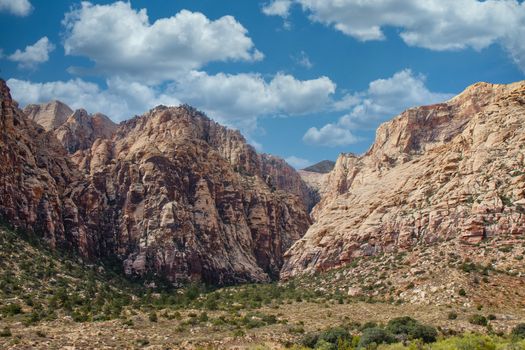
(439, 173)
(49, 299)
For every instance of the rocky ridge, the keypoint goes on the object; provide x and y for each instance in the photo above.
(170, 193)
(450, 171)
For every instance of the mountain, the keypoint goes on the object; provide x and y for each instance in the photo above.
(450, 171)
(49, 115)
(170, 194)
(323, 167)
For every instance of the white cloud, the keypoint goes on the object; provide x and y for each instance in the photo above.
(330, 135)
(233, 98)
(16, 7)
(277, 8)
(121, 100)
(34, 54)
(132, 46)
(298, 163)
(384, 99)
(432, 24)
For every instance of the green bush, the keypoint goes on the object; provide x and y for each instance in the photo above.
(376, 335)
(11, 309)
(333, 335)
(452, 315)
(519, 331)
(153, 316)
(478, 319)
(407, 327)
(309, 340)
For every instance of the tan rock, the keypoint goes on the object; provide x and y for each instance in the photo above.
(445, 171)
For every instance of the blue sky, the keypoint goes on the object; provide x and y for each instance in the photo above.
(302, 79)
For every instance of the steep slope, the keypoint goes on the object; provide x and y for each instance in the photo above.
(448, 171)
(170, 193)
(49, 115)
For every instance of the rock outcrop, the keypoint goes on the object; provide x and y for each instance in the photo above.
(451, 171)
(49, 115)
(170, 193)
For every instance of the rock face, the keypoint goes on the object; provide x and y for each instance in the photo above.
(80, 130)
(170, 193)
(448, 171)
(49, 115)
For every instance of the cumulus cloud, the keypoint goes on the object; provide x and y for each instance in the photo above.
(432, 24)
(330, 135)
(246, 96)
(297, 163)
(16, 7)
(132, 46)
(277, 8)
(120, 100)
(34, 54)
(236, 100)
(383, 99)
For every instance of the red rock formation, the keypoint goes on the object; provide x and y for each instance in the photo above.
(170, 193)
(448, 171)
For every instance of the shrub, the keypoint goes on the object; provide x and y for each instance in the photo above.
(478, 320)
(11, 309)
(6, 332)
(462, 292)
(376, 335)
(333, 335)
(491, 317)
(407, 327)
(309, 340)
(452, 315)
(519, 331)
(153, 316)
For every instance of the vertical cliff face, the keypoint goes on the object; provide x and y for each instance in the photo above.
(448, 171)
(36, 178)
(170, 193)
(49, 115)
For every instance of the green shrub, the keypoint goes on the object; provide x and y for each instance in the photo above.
(407, 327)
(462, 292)
(478, 319)
(11, 309)
(452, 315)
(309, 340)
(376, 335)
(519, 331)
(333, 335)
(153, 316)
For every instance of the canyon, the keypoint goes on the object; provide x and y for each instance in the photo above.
(174, 195)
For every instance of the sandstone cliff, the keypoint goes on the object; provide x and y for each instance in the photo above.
(442, 172)
(49, 115)
(170, 193)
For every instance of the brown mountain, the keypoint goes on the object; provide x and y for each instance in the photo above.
(450, 171)
(169, 193)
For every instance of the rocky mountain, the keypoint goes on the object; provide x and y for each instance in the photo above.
(450, 171)
(323, 167)
(170, 193)
(49, 115)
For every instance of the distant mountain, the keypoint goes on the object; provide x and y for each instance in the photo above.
(323, 167)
